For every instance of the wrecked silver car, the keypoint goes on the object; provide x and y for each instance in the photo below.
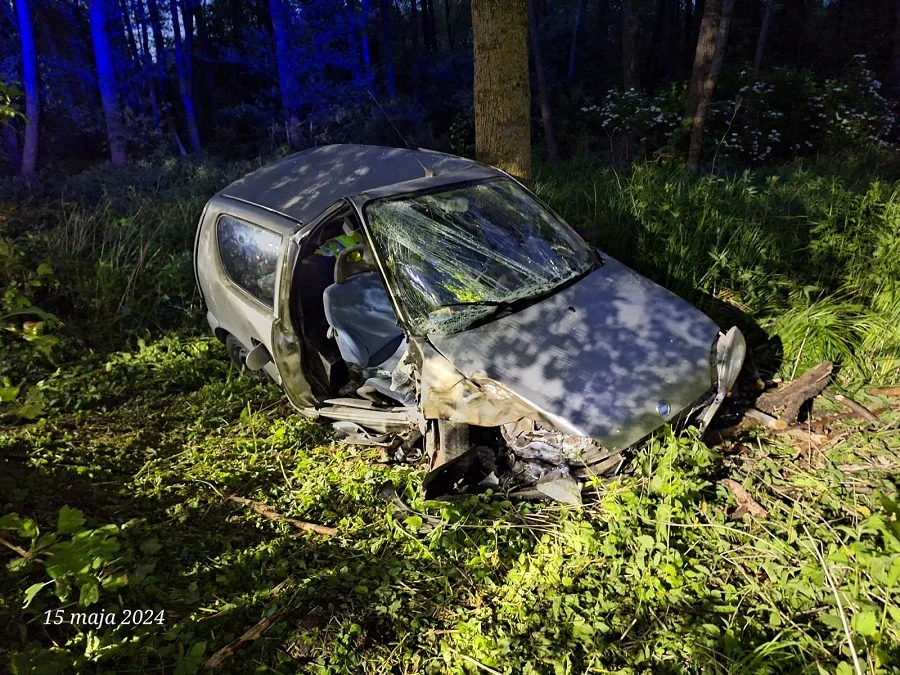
(422, 300)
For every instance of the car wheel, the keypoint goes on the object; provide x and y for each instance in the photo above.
(238, 355)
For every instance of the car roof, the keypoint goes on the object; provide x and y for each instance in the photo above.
(302, 185)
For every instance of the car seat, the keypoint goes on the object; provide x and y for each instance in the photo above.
(359, 311)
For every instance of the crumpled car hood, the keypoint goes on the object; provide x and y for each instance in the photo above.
(601, 357)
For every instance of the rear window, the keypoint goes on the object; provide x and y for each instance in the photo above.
(249, 255)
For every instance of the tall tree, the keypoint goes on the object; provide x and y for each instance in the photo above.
(630, 75)
(893, 79)
(501, 88)
(707, 63)
(543, 95)
(106, 80)
(576, 28)
(764, 34)
(183, 65)
(429, 29)
(387, 55)
(287, 78)
(146, 61)
(414, 24)
(30, 82)
(364, 41)
(449, 25)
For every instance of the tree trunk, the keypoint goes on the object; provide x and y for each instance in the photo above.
(631, 76)
(543, 97)
(32, 92)
(287, 81)
(128, 25)
(764, 34)
(449, 25)
(182, 63)
(502, 92)
(11, 142)
(428, 26)
(148, 74)
(106, 80)
(414, 24)
(657, 49)
(387, 50)
(576, 28)
(209, 85)
(364, 42)
(673, 40)
(687, 47)
(707, 64)
(893, 80)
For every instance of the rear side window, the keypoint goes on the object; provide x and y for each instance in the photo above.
(250, 256)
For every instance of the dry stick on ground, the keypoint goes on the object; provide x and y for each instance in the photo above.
(859, 409)
(251, 635)
(786, 401)
(271, 514)
(745, 503)
(887, 391)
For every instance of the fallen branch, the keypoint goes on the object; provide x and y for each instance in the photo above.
(745, 503)
(858, 409)
(251, 635)
(785, 402)
(767, 420)
(802, 433)
(887, 391)
(269, 513)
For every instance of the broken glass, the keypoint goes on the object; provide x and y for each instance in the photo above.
(460, 255)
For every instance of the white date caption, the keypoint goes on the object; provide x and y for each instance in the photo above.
(125, 617)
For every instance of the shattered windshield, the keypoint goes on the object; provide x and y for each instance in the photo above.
(458, 256)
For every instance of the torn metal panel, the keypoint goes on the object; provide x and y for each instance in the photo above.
(384, 420)
(449, 395)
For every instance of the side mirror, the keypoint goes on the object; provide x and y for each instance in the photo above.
(258, 357)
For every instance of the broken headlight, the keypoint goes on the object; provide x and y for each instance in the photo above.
(730, 350)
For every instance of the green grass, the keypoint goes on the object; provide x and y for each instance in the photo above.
(146, 431)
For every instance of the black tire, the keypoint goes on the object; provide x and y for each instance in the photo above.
(238, 355)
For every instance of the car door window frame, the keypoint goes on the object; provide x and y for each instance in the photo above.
(272, 309)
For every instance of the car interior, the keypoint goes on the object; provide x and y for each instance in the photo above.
(341, 308)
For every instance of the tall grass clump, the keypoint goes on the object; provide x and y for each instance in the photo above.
(807, 254)
(119, 242)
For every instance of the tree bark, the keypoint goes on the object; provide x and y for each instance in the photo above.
(576, 28)
(185, 85)
(687, 47)
(631, 76)
(893, 80)
(148, 74)
(11, 143)
(106, 80)
(287, 82)
(763, 34)
(501, 88)
(657, 49)
(32, 92)
(543, 97)
(429, 30)
(364, 42)
(414, 24)
(387, 49)
(449, 25)
(707, 64)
